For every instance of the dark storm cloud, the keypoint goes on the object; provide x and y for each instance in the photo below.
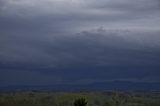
(97, 55)
(52, 41)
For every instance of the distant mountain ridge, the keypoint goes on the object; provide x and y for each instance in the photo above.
(114, 85)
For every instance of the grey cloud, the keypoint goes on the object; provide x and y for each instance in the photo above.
(64, 38)
(82, 16)
(106, 48)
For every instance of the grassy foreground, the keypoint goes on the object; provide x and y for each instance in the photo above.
(107, 98)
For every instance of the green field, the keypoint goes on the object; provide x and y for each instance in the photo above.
(106, 98)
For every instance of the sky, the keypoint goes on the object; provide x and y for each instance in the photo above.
(45, 42)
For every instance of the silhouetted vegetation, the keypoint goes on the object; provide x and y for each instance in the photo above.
(80, 102)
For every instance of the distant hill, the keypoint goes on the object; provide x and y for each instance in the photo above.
(115, 85)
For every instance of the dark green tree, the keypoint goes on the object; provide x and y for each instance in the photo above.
(80, 102)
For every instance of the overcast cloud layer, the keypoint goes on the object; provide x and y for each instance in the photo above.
(79, 41)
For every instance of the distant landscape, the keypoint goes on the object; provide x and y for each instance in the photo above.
(99, 86)
(118, 93)
(96, 98)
